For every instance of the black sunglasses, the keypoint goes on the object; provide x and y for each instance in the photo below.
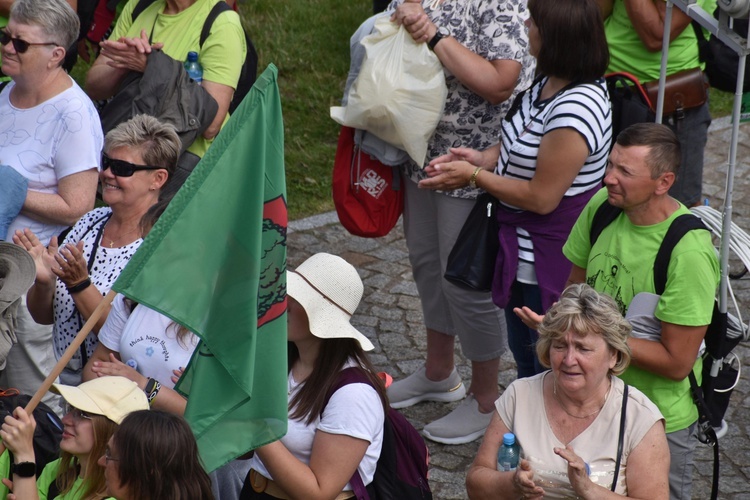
(122, 168)
(20, 45)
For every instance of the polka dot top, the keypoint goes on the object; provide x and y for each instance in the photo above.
(104, 270)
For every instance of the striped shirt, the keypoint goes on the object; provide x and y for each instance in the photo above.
(585, 108)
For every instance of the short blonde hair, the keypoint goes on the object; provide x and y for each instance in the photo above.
(583, 310)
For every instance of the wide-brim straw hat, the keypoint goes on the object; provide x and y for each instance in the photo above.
(329, 289)
(112, 396)
(17, 272)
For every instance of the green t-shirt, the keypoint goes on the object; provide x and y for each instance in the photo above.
(48, 476)
(620, 264)
(627, 52)
(222, 54)
(4, 472)
(3, 24)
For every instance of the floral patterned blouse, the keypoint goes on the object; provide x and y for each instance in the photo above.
(493, 29)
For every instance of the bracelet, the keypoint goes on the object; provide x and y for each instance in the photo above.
(473, 178)
(151, 390)
(79, 287)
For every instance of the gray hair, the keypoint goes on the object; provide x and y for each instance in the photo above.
(56, 18)
(583, 310)
(157, 142)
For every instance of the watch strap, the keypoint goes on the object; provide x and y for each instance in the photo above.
(439, 35)
(23, 469)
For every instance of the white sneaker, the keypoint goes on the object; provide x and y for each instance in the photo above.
(463, 425)
(417, 387)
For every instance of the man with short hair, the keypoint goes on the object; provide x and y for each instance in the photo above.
(639, 175)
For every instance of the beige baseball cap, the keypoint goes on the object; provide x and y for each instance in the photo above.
(113, 397)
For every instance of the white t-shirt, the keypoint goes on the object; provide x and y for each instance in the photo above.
(354, 410)
(60, 137)
(104, 271)
(146, 340)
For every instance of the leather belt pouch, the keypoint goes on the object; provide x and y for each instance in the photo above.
(683, 90)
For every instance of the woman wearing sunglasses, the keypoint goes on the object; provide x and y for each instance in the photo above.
(94, 410)
(139, 157)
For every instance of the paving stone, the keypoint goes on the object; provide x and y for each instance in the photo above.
(391, 316)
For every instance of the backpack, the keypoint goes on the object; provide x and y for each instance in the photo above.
(366, 193)
(249, 69)
(630, 102)
(49, 428)
(722, 61)
(401, 471)
(711, 397)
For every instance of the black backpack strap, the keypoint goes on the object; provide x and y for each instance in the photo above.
(679, 227)
(604, 216)
(215, 11)
(140, 7)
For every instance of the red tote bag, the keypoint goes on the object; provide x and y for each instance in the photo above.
(367, 194)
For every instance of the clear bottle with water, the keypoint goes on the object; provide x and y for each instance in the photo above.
(194, 68)
(509, 453)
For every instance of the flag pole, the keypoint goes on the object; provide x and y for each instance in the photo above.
(70, 351)
(67, 355)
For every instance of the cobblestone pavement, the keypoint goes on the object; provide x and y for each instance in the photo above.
(390, 315)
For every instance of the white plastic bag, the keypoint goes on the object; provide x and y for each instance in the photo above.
(399, 93)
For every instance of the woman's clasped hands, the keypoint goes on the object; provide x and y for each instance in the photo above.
(66, 262)
(129, 53)
(454, 170)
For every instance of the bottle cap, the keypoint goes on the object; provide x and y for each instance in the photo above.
(192, 56)
(509, 439)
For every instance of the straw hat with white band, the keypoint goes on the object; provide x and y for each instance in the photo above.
(329, 289)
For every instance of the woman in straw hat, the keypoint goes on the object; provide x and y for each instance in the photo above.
(326, 442)
(93, 411)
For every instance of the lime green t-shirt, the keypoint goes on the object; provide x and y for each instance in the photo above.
(627, 52)
(222, 54)
(3, 24)
(4, 472)
(48, 476)
(620, 264)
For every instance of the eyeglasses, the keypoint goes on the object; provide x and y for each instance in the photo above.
(108, 457)
(122, 168)
(20, 45)
(78, 415)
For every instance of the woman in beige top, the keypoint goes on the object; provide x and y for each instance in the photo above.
(566, 419)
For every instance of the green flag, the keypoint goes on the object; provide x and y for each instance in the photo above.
(215, 262)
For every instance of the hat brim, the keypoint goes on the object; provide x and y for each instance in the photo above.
(77, 398)
(327, 321)
(21, 271)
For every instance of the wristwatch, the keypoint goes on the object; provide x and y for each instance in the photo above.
(441, 33)
(23, 469)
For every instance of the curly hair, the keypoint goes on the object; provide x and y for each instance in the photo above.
(583, 310)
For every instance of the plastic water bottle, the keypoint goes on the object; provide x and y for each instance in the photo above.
(194, 68)
(507, 457)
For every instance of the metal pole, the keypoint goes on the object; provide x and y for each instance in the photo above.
(664, 58)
